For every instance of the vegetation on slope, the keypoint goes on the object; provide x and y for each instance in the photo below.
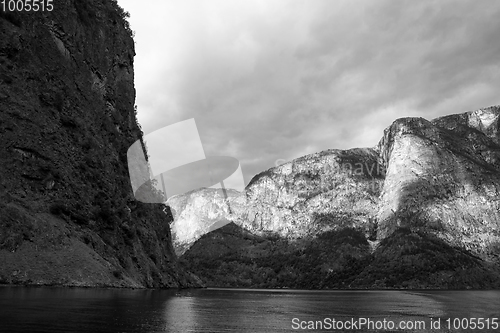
(339, 259)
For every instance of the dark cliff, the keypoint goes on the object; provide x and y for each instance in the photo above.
(67, 118)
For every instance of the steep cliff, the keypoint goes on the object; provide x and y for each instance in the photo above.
(67, 118)
(444, 177)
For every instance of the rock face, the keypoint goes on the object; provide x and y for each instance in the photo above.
(67, 211)
(315, 193)
(304, 197)
(426, 184)
(444, 176)
(201, 211)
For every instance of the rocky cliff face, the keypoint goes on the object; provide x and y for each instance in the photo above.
(201, 211)
(444, 176)
(304, 197)
(315, 193)
(440, 177)
(67, 211)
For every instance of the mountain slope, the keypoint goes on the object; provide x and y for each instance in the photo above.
(234, 257)
(67, 118)
(430, 212)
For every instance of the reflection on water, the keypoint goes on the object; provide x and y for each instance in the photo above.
(226, 310)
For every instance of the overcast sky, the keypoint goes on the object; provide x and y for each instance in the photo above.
(269, 80)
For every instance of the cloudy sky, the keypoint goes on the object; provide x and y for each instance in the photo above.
(269, 80)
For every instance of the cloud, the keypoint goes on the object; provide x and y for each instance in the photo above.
(268, 80)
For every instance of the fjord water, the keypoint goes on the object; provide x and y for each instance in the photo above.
(24, 309)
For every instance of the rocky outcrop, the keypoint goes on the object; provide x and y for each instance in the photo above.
(67, 118)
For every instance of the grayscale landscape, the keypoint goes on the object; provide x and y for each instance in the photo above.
(253, 166)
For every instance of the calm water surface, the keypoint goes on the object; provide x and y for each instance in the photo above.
(233, 310)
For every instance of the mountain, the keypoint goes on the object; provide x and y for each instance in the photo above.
(296, 199)
(67, 118)
(421, 209)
